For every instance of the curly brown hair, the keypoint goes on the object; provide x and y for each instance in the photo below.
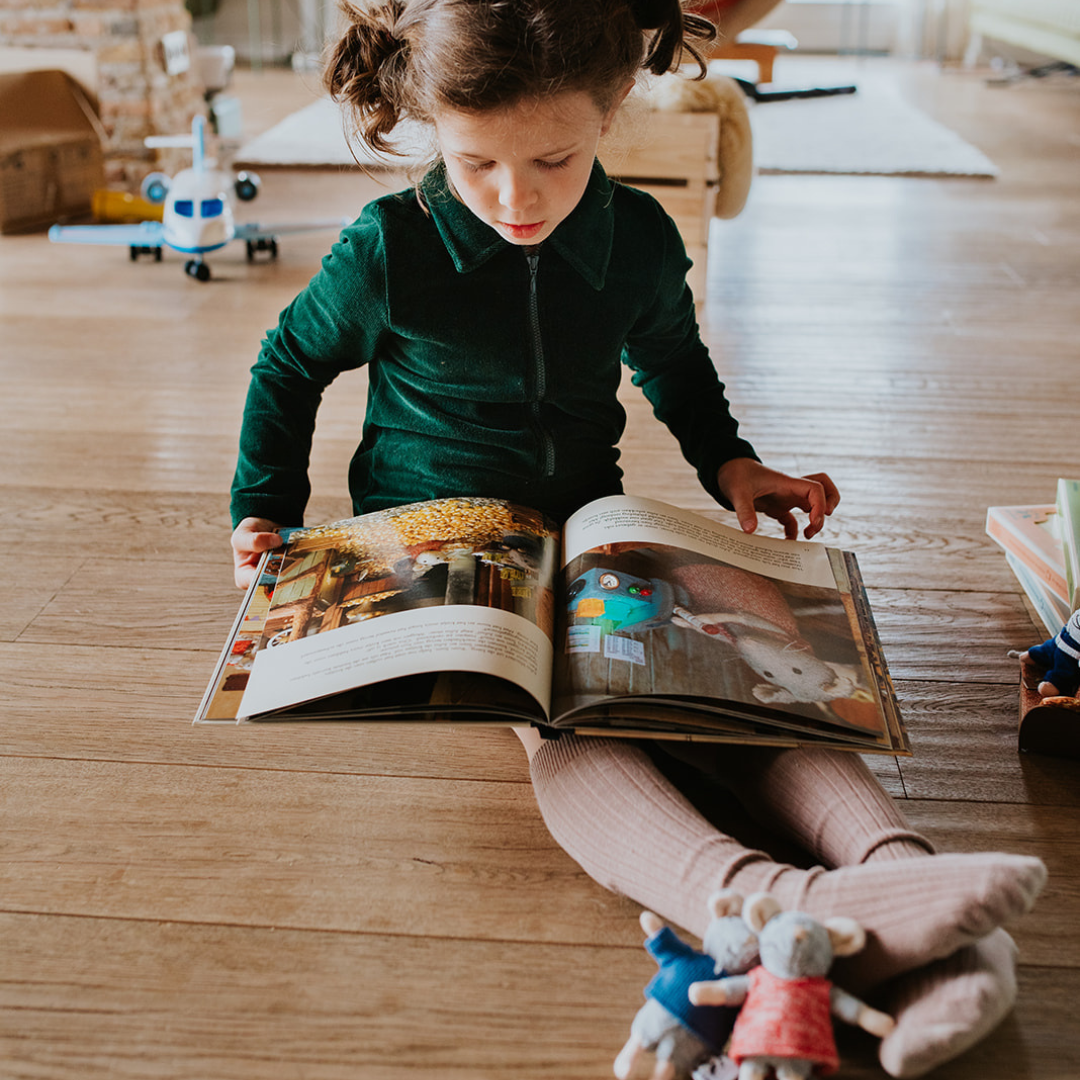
(411, 58)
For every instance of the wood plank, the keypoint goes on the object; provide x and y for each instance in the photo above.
(102, 998)
(89, 997)
(190, 527)
(27, 584)
(1049, 833)
(980, 629)
(261, 848)
(142, 604)
(964, 748)
(124, 704)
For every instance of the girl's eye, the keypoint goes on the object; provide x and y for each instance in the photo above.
(560, 164)
(477, 166)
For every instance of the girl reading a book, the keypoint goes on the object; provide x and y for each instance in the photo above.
(494, 305)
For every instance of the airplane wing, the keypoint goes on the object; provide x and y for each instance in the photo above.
(145, 234)
(254, 231)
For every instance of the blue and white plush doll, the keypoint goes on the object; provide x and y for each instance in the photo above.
(679, 1035)
(1060, 660)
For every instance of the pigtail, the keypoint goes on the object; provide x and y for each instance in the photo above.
(365, 68)
(676, 34)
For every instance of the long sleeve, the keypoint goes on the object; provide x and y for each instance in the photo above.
(336, 324)
(673, 368)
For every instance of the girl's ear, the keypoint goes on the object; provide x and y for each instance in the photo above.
(619, 98)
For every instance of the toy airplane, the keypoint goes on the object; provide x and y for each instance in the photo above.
(197, 216)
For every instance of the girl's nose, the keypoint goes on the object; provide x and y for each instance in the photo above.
(515, 191)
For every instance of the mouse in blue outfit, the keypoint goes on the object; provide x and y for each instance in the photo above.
(1059, 659)
(683, 1036)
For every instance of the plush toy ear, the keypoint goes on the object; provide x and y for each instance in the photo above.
(759, 908)
(726, 902)
(846, 935)
(650, 923)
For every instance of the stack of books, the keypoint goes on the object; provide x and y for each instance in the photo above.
(1042, 546)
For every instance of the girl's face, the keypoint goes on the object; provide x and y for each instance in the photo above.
(524, 168)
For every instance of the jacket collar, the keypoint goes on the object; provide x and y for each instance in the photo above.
(583, 239)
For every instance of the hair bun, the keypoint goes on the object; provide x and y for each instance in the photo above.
(652, 14)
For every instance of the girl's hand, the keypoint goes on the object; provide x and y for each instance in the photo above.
(751, 486)
(250, 539)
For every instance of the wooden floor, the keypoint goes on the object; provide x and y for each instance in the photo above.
(371, 902)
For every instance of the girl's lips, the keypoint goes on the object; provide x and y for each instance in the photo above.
(522, 232)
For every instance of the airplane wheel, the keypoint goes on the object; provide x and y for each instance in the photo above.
(198, 270)
(246, 186)
(264, 243)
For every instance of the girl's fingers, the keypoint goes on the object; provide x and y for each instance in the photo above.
(791, 526)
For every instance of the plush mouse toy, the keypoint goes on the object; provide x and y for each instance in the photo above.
(785, 1024)
(1060, 660)
(749, 614)
(682, 1035)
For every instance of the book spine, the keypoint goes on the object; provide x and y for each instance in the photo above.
(1068, 507)
(1050, 609)
(1015, 543)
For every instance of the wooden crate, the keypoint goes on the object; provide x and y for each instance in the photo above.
(675, 158)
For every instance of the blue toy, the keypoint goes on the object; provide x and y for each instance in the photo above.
(681, 1035)
(617, 601)
(1060, 660)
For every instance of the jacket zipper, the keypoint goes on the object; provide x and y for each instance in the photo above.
(547, 443)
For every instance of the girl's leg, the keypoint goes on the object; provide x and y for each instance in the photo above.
(827, 801)
(616, 813)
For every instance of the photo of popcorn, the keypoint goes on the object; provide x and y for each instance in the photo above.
(480, 552)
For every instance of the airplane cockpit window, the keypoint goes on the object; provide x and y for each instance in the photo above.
(212, 208)
(184, 207)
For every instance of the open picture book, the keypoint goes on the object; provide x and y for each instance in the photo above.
(635, 619)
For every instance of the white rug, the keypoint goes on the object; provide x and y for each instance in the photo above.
(314, 137)
(873, 131)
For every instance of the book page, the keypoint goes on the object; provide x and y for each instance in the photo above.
(450, 585)
(226, 689)
(662, 605)
(628, 519)
(488, 641)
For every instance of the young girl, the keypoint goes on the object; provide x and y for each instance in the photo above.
(494, 305)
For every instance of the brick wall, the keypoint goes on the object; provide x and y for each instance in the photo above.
(137, 98)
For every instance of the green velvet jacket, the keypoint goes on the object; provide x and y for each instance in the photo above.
(493, 370)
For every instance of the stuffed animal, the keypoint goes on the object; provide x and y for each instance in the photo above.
(682, 1035)
(749, 614)
(785, 1023)
(718, 94)
(1060, 660)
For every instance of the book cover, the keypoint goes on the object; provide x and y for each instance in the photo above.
(1068, 511)
(1031, 533)
(1051, 609)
